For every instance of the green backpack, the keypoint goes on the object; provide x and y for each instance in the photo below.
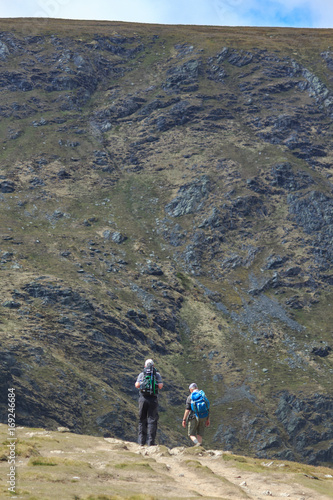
(149, 385)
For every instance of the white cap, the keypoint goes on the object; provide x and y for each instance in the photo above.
(149, 362)
(193, 386)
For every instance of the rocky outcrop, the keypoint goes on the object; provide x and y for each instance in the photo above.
(183, 78)
(179, 114)
(4, 51)
(314, 214)
(190, 198)
(302, 419)
(284, 177)
(7, 186)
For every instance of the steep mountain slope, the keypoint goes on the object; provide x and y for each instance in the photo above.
(166, 192)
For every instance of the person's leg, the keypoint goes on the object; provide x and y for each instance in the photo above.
(192, 431)
(201, 424)
(152, 421)
(143, 409)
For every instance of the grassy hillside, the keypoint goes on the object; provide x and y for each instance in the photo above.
(166, 192)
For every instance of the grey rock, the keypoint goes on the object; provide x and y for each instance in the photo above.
(63, 174)
(190, 198)
(7, 256)
(7, 186)
(262, 309)
(184, 49)
(302, 418)
(257, 186)
(227, 435)
(182, 112)
(40, 123)
(126, 107)
(11, 304)
(322, 351)
(248, 205)
(154, 270)
(115, 236)
(239, 58)
(53, 294)
(314, 213)
(157, 104)
(181, 77)
(328, 57)
(36, 181)
(283, 176)
(286, 122)
(4, 51)
(294, 302)
(275, 261)
(292, 271)
(213, 221)
(14, 134)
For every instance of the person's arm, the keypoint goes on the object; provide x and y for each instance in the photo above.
(138, 381)
(159, 380)
(207, 423)
(185, 417)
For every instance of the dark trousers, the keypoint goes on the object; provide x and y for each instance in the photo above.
(148, 418)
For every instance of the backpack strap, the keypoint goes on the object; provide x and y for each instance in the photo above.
(149, 385)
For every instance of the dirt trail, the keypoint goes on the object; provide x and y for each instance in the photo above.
(213, 474)
(52, 465)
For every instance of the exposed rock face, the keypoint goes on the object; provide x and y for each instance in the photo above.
(7, 186)
(179, 114)
(315, 214)
(303, 419)
(4, 51)
(284, 177)
(183, 78)
(190, 198)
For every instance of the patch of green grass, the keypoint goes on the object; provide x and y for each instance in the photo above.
(185, 281)
(116, 497)
(134, 465)
(22, 449)
(54, 461)
(49, 462)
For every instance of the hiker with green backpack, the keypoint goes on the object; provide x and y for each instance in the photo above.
(148, 382)
(196, 414)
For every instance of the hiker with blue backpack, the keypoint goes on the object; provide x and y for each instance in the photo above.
(196, 414)
(148, 382)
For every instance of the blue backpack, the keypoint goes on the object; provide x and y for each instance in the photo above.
(199, 404)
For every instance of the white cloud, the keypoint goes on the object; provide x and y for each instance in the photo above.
(126, 10)
(298, 13)
(322, 13)
(306, 13)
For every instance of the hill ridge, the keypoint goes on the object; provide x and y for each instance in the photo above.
(95, 468)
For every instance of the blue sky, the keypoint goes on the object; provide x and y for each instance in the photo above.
(293, 13)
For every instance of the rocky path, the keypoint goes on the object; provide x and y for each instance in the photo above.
(215, 474)
(52, 465)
